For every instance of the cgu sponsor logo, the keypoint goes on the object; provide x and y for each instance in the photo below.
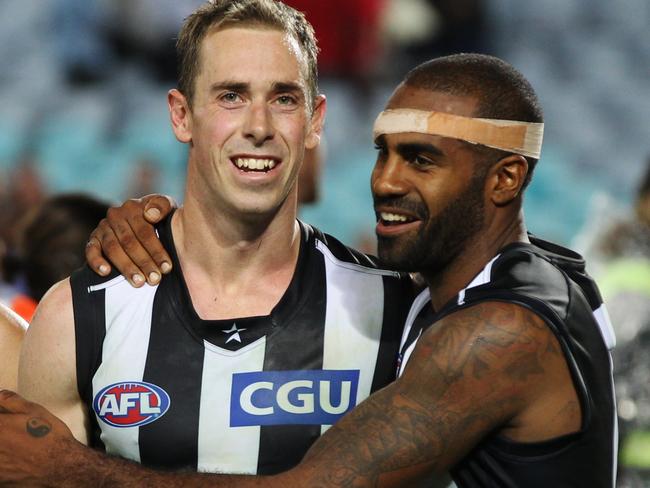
(131, 404)
(314, 397)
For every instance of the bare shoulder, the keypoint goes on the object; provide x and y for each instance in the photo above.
(48, 352)
(54, 319)
(498, 334)
(12, 331)
(500, 366)
(47, 372)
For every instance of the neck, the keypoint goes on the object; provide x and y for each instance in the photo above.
(446, 283)
(236, 266)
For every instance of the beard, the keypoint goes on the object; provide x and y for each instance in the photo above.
(441, 238)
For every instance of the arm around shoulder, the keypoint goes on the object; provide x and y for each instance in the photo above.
(477, 371)
(47, 371)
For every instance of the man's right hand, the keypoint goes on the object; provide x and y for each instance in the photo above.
(33, 443)
(127, 238)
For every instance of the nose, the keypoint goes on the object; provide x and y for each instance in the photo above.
(258, 126)
(388, 177)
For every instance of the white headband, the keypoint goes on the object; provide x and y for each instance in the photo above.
(523, 138)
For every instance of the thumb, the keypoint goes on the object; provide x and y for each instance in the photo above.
(157, 207)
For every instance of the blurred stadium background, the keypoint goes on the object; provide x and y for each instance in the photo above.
(83, 87)
(83, 108)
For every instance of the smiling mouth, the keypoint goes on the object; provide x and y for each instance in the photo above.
(392, 219)
(261, 165)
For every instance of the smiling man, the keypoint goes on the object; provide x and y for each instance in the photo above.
(267, 331)
(505, 372)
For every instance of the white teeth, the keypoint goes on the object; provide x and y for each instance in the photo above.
(255, 164)
(391, 217)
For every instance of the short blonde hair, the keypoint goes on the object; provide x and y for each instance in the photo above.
(222, 13)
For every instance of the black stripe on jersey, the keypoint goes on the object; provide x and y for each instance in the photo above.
(400, 297)
(573, 265)
(90, 330)
(183, 391)
(484, 472)
(283, 446)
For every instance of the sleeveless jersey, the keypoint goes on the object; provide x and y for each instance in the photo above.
(552, 282)
(248, 395)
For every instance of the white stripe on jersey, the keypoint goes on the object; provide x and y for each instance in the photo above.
(605, 325)
(418, 304)
(236, 450)
(102, 286)
(128, 324)
(353, 321)
(322, 247)
(480, 279)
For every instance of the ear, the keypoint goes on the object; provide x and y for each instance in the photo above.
(506, 179)
(316, 124)
(181, 116)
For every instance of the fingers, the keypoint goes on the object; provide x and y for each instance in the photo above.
(128, 239)
(122, 245)
(12, 402)
(40, 421)
(94, 256)
(157, 207)
(104, 241)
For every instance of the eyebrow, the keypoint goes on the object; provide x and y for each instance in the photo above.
(409, 148)
(242, 87)
(286, 86)
(298, 91)
(236, 86)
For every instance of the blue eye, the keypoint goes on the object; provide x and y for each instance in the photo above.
(231, 97)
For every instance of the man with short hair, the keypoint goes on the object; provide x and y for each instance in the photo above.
(505, 373)
(267, 330)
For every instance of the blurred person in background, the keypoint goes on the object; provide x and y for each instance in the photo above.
(144, 177)
(350, 44)
(12, 331)
(623, 253)
(421, 29)
(309, 177)
(49, 246)
(21, 192)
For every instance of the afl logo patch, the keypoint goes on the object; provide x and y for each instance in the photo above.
(131, 404)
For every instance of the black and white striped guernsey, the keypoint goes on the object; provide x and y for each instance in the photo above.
(551, 281)
(247, 395)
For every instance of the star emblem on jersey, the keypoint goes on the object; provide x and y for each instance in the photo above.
(235, 333)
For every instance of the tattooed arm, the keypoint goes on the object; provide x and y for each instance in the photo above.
(491, 367)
